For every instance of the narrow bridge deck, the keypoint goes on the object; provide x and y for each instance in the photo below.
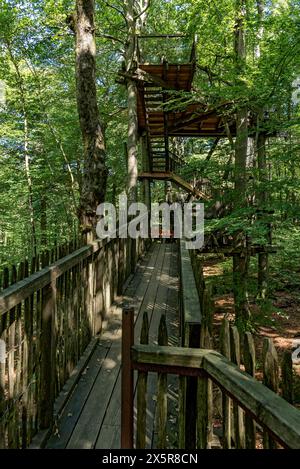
(92, 416)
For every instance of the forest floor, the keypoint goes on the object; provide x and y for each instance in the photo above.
(278, 320)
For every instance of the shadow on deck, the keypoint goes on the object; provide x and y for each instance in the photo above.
(92, 415)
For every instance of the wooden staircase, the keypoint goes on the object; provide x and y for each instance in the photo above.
(157, 122)
(179, 181)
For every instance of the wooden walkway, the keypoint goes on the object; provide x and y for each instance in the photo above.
(92, 416)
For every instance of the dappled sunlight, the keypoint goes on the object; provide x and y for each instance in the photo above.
(109, 364)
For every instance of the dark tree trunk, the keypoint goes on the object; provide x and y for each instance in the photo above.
(241, 261)
(94, 168)
(263, 258)
(135, 12)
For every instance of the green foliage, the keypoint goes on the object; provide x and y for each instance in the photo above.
(37, 60)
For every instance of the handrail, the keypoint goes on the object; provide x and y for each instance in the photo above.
(274, 413)
(20, 291)
(191, 316)
(48, 320)
(13, 295)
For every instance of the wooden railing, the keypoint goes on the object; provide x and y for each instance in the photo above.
(275, 417)
(190, 332)
(47, 320)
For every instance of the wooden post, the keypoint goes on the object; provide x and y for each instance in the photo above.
(3, 336)
(270, 379)
(287, 378)
(249, 363)
(48, 349)
(181, 412)
(194, 334)
(238, 414)
(133, 254)
(127, 379)
(205, 401)
(142, 392)
(203, 422)
(226, 401)
(121, 273)
(162, 391)
(27, 344)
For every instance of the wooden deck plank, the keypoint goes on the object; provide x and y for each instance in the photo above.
(167, 302)
(87, 428)
(159, 308)
(92, 416)
(77, 401)
(136, 298)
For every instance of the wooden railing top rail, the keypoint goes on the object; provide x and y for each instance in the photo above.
(274, 413)
(190, 298)
(13, 295)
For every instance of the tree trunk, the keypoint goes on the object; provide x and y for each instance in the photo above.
(23, 99)
(135, 14)
(263, 258)
(241, 261)
(43, 220)
(94, 167)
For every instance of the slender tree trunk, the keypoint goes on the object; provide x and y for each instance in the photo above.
(135, 14)
(29, 183)
(241, 261)
(55, 135)
(94, 167)
(23, 99)
(263, 258)
(43, 222)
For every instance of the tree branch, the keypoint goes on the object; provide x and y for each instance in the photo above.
(115, 8)
(108, 36)
(143, 11)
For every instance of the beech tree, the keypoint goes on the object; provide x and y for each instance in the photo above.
(94, 167)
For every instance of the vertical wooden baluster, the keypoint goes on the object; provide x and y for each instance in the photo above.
(67, 332)
(121, 266)
(38, 343)
(19, 378)
(127, 379)
(226, 401)
(116, 268)
(32, 390)
(26, 367)
(238, 414)
(90, 296)
(202, 413)
(162, 402)
(287, 378)
(75, 307)
(249, 363)
(205, 402)
(3, 337)
(71, 312)
(181, 412)
(48, 346)
(142, 391)
(271, 380)
(11, 368)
